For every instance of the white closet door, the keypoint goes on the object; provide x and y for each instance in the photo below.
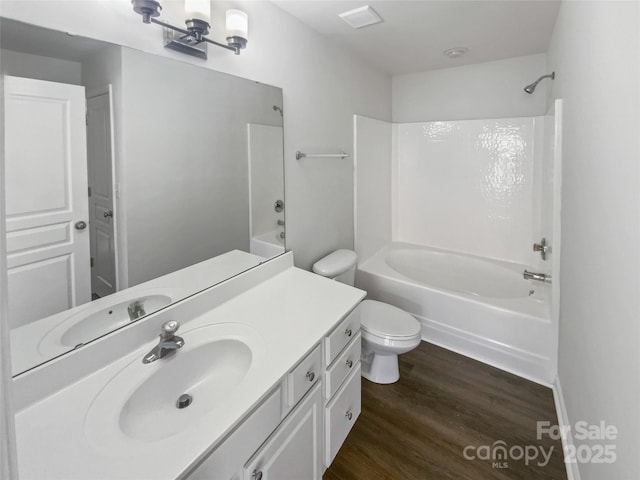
(46, 198)
(101, 208)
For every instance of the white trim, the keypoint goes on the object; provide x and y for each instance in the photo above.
(8, 449)
(573, 473)
(115, 185)
(249, 177)
(355, 183)
(519, 362)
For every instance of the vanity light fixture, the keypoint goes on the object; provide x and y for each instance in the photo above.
(193, 39)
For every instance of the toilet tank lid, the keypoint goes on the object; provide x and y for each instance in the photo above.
(335, 263)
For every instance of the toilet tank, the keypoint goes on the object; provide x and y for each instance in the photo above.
(339, 265)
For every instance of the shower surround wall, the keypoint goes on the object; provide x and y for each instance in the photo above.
(472, 186)
(473, 195)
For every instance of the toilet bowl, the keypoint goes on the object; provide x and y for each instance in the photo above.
(387, 331)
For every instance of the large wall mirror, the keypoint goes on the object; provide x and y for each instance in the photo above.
(132, 181)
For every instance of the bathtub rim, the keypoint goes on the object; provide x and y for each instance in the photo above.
(379, 258)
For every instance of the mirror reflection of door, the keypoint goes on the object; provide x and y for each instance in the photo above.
(46, 200)
(101, 193)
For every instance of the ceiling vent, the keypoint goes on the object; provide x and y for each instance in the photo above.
(361, 17)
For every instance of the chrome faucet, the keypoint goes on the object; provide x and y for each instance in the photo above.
(136, 310)
(169, 342)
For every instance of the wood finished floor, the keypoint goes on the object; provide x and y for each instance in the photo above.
(417, 428)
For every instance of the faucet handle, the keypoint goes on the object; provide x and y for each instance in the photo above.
(169, 329)
(543, 248)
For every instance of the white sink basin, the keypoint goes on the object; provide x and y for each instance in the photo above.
(97, 319)
(140, 404)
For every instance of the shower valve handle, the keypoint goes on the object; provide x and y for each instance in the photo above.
(543, 248)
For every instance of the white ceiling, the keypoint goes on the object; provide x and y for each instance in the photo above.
(414, 33)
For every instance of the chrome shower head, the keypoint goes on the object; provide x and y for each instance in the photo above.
(532, 87)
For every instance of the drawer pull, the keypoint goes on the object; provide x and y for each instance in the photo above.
(311, 376)
(256, 475)
(349, 363)
(349, 415)
(348, 332)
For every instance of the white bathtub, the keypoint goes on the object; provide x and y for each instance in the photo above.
(482, 308)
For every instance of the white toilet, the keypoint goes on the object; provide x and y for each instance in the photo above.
(387, 331)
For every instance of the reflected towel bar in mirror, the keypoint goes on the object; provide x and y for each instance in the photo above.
(300, 155)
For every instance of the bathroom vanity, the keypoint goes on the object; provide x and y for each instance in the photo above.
(268, 380)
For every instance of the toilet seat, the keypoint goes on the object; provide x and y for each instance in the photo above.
(388, 322)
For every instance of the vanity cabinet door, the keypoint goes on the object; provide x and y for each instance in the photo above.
(294, 450)
(225, 463)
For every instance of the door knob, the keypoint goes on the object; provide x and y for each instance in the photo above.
(108, 213)
(80, 225)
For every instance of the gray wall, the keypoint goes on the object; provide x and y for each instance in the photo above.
(595, 52)
(185, 166)
(20, 64)
(478, 91)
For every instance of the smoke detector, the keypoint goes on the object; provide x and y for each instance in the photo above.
(361, 17)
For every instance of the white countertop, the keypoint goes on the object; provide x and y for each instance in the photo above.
(290, 312)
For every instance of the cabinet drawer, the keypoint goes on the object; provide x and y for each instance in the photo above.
(343, 333)
(346, 362)
(226, 461)
(304, 376)
(341, 415)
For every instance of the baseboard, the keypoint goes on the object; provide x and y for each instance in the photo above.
(563, 421)
(519, 362)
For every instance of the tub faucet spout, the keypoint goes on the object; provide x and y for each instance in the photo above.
(540, 277)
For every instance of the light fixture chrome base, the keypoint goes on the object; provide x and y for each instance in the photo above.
(198, 28)
(238, 43)
(146, 8)
(184, 43)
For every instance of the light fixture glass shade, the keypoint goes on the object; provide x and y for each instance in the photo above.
(237, 24)
(198, 10)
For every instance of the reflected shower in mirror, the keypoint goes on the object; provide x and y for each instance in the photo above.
(132, 181)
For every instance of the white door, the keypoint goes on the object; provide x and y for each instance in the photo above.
(101, 208)
(46, 198)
